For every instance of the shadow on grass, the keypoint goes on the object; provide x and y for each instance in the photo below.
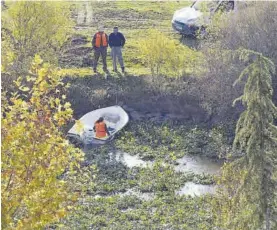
(138, 92)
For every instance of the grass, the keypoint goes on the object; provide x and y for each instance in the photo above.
(134, 18)
(76, 72)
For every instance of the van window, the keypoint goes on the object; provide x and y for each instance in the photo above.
(205, 6)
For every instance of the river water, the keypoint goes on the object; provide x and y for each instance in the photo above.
(195, 164)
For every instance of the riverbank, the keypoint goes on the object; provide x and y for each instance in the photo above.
(145, 96)
(147, 171)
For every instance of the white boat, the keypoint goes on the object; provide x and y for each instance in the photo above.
(114, 116)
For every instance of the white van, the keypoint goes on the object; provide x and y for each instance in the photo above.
(193, 19)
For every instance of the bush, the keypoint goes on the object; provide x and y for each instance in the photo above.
(165, 56)
(30, 28)
(35, 153)
(250, 28)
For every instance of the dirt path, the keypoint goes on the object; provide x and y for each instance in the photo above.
(89, 15)
(85, 15)
(80, 15)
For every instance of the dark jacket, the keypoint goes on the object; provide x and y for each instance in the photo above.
(116, 39)
(94, 39)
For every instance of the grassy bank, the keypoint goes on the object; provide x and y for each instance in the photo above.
(134, 19)
(138, 88)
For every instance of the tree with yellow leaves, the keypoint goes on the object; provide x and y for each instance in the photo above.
(33, 27)
(35, 153)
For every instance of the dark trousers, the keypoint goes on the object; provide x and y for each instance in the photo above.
(103, 52)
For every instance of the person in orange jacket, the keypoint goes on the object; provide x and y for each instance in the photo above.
(100, 43)
(100, 128)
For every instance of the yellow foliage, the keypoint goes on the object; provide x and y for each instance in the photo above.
(30, 28)
(35, 153)
(79, 125)
(165, 56)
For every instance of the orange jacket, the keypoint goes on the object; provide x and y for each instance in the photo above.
(100, 129)
(100, 39)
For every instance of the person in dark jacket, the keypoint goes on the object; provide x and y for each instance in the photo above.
(117, 42)
(100, 43)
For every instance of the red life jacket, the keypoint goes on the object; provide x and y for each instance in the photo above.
(100, 129)
(99, 38)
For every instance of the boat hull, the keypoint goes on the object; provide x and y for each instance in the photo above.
(115, 118)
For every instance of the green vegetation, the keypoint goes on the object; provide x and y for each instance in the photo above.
(130, 212)
(162, 170)
(31, 28)
(34, 152)
(256, 138)
(122, 198)
(134, 20)
(164, 57)
(169, 142)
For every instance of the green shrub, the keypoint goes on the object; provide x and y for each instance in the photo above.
(165, 56)
(30, 28)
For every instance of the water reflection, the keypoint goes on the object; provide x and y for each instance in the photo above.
(199, 165)
(131, 161)
(142, 195)
(195, 164)
(193, 189)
